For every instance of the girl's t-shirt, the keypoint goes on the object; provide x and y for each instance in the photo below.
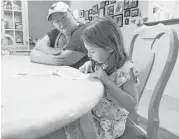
(109, 118)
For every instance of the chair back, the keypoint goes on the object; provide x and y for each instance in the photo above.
(144, 57)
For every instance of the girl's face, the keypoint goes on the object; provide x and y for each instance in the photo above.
(97, 54)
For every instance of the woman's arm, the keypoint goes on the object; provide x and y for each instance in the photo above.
(127, 96)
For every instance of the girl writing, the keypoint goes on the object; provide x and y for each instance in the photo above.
(111, 64)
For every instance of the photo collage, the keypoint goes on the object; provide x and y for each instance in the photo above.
(119, 10)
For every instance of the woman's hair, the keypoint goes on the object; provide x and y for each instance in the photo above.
(104, 32)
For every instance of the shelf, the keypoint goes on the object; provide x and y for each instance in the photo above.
(19, 11)
(11, 46)
(9, 29)
(13, 29)
(11, 10)
(8, 10)
(165, 22)
(18, 30)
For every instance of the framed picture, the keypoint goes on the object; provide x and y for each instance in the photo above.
(94, 17)
(118, 19)
(126, 4)
(102, 4)
(127, 21)
(134, 3)
(107, 2)
(90, 11)
(87, 15)
(134, 12)
(118, 8)
(82, 13)
(109, 11)
(127, 13)
(90, 18)
(95, 9)
(112, 1)
(101, 12)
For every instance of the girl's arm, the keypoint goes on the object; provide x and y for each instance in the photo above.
(127, 95)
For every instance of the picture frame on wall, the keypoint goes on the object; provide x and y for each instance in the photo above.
(126, 4)
(87, 15)
(127, 21)
(118, 19)
(118, 8)
(127, 13)
(94, 17)
(101, 12)
(106, 2)
(109, 10)
(112, 1)
(82, 13)
(95, 9)
(102, 4)
(135, 12)
(134, 3)
(90, 18)
(90, 11)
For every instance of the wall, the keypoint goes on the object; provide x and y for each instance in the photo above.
(37, 12)
(172, 88)
(83, 5)
(127, 30)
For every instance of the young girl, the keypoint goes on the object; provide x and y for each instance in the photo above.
(110, 63)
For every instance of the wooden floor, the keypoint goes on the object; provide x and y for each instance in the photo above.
(169, 111)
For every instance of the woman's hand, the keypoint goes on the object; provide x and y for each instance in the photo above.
(86, 67)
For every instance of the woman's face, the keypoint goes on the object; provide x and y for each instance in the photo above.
(97, 54)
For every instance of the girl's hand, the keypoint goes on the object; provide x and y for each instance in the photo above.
(100, 74)
(86, 67)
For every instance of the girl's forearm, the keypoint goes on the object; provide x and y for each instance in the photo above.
(124, 98)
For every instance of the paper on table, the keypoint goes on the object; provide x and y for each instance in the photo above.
(63, 71)
(25, 74)
(70, 73)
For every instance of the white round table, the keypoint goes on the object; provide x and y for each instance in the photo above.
(36, 106)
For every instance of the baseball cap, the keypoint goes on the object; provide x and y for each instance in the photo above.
(59, 7)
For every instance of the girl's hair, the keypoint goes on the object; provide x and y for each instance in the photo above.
(103, 32)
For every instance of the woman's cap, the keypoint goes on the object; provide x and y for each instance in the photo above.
(59, 7)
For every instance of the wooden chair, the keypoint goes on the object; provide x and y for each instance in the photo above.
(145, 62)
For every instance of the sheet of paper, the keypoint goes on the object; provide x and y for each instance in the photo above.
(63, 71)
(70, 73)
(25, 74)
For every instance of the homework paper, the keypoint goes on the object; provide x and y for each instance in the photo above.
(70, 73)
